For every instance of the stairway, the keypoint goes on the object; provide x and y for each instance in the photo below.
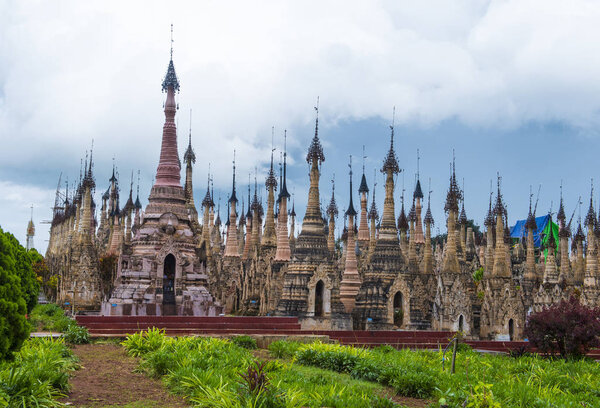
(424, 339)
(120, 326)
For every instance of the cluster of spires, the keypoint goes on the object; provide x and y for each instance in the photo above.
(315, 155)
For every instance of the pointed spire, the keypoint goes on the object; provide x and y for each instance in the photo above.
(113, 178)
(207, 201)
(530, 223)
(499, 208)
(283, 193)
(351, 212)
(428, 216)
(233, 198)
(255, 203)
(373, 214)
(89, 170)
(332, 209)
(189, 156)
(212, 192)
(315, 151)
(391, 161)
(489, 218)
(138, 204)
(454, 194)
(402, 219)
(249, 214)
(462, 219)
(271, 180)
(579, 236)
(418, 193)
(560, 216)
(363, 188)
(590, 218)
(88, 179)
(412, 214)
(280, 183)
(170, 78)
(129, 204)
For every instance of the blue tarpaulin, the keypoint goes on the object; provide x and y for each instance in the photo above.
(519, 231)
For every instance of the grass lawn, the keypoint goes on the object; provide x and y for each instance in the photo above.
(212, 372)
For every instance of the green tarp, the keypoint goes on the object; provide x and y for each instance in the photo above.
(546, 236)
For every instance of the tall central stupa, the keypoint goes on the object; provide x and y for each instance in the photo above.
(163, 271)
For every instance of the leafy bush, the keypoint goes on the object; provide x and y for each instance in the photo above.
(568, 328)
(13, 297)
(50, 317)
(413, 383)
(144, 342)
(48, 281)
(255, 379)
(218, 373)
(38, 376)
(77, 335)
(329, 356)
(283, 348)
(407, 380)
(207, 371)
(245, 341)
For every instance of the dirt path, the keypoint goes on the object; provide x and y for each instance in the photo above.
(107, 379)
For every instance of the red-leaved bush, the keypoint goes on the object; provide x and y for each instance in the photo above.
(567, 328)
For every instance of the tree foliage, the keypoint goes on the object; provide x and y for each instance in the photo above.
(47, 280)
(30, 286)
(568, 328)
(18, 294)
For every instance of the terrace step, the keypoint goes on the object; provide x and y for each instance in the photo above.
(188, 319)
(191, 326)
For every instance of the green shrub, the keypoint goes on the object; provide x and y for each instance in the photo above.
(245, 341)
(412, 383)
(407, 379)
(77, 335)
(208, 372)
(50, 317)
(283, 348)
(367, 369)
(386, 348)
(140, 343)
(38, 376)
(329, 356)
(14, 328)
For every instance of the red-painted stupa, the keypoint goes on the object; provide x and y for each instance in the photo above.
(163, 272)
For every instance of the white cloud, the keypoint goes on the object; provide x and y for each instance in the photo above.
(71, 71)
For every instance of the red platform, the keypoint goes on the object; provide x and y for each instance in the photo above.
(120, 326)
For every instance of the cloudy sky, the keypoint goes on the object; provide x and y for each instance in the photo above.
(512, 86)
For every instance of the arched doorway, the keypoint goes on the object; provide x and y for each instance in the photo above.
(461, 323)
(511, 330)
(398, 311)
(319, 289)
(169, 285)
